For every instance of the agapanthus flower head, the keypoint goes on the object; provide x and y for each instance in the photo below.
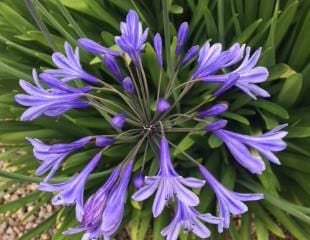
(69, 66)
(72, 191)
(49, 102)
(52, 156)
(189, 219)
(229, 202)
(174, 103)
(168, 183)
(239, 145)
(133, 37)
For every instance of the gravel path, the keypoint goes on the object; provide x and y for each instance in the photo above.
(14, 225)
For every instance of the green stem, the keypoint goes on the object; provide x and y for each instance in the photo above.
(167, 35)
(31, 179)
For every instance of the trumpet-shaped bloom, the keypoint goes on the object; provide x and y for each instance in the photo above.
(50, 102)
(113, 213)
(92, 215)
(228, 201)
(189, 219)
(69, 66)
(212, 59)
(72, 191)
(168, 184)
(133, 37)
(238, 145)
(95, 48)
(52, 156)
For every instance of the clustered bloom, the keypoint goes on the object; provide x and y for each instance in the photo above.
(148, 118)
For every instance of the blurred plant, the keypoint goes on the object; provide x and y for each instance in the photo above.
(278, 26)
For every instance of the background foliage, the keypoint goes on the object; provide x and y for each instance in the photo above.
(280, 27)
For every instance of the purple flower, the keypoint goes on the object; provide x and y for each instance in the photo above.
(162, 105)
(128, 85)
(112, 66)
(214, 110)
(72, 191)
(228, 201)
(114, 210)
(190, 55)
(182, 35)
(168, 184)
(158, 46)
(50, 102)
(69, 66)
(211, 59)
(139, 180)
(95, 48)
(189, 219)
(51, 156)
(119, 121)
(238, 145)
(133, 38)
(94, 207)
(103, 141)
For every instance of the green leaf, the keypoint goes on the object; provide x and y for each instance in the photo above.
(290, 90)
(214, 141)
(176, 9)
(159, 223)
(261, 230)
(92, 8)
(236, 117)
(247, 33)
(14, 18)
(285, 20)
(298, 132)
(272, 108)
(280, 71)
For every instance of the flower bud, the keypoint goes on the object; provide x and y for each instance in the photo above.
(214, 111)
(139, 180)
(162, 105)
(102, 141)
(118, 121)
(128, 85)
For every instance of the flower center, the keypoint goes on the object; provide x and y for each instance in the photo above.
(150, 129)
